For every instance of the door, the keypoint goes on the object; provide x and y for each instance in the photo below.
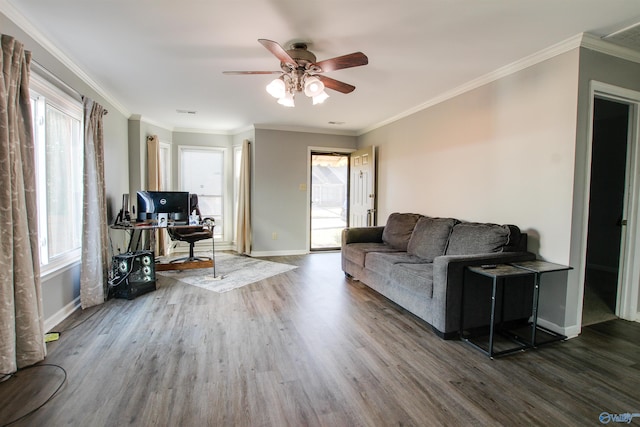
(607, 210)
(329, 184)
(362, 185)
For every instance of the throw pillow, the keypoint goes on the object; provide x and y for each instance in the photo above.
(476, 238)
(398, 229)
(429, 237)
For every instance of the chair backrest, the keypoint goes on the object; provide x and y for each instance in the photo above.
(193, 204)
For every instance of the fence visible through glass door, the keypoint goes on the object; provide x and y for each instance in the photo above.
(329, 199)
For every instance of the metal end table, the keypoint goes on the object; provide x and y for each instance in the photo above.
(500, 274)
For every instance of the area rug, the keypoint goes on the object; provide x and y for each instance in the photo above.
(232, 272)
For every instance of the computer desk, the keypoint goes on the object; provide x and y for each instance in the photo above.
(135, 242)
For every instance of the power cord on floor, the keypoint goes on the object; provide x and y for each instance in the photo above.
(75, 325)
(4, 376)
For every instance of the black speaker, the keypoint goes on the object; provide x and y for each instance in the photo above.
(134, 274)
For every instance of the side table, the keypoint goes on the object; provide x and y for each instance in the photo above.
(500, 274)
(538, 268)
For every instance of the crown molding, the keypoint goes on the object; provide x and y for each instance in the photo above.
(289, 128)
(204, 131)
(540, 56)
(17, 18)
(598, 44)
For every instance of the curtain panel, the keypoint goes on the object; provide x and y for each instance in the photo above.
(94, 269)
(21, 315)
(243, 237)
(154, 184)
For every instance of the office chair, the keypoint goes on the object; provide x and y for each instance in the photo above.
(192, 234)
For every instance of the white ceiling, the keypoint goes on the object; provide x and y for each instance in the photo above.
(152, 58)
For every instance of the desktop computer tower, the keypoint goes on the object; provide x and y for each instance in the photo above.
(134, 274)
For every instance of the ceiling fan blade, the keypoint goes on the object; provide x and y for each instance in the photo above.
(355, 59)
(250, 72)
(278, 51)
(335, 84)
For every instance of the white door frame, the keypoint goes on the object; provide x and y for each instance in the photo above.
(311, 150)
(629, 271)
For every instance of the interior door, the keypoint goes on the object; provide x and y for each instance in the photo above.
(607, 224)
(362, 186)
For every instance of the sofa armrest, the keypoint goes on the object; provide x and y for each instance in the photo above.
(448, 277)
(362, 235)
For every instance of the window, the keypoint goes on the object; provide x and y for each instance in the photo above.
(202, 173)
(57, 123)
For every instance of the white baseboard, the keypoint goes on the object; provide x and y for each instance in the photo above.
(62, 314)
(567, 331)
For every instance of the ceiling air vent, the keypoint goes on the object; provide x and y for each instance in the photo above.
(628, 37)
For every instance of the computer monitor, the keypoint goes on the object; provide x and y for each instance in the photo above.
(173, 203)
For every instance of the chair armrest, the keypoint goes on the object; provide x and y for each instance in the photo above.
(208, 223)
(362, 235)
(448, 277)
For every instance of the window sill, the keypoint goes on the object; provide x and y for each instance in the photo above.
(59, 266)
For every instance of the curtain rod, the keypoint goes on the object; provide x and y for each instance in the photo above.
(40, 69)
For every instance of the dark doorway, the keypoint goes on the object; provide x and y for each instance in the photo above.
(607, 218)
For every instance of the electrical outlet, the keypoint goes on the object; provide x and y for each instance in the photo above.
(274, 236)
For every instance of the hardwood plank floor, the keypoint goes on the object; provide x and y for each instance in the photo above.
(310, 348)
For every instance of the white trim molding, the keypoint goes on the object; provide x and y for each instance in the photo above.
(585, 40)
(61, 314)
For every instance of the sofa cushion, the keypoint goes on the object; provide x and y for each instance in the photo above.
(429, 237)
(382, 263)
(398, 229)
(417, 278)
(356, 252)
(475, 238)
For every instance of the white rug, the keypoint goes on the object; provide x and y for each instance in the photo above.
(232, 272)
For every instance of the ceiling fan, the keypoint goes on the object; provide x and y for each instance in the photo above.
(301, 73)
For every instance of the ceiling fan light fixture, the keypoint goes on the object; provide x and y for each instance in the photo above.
(287, 100)
(277, 88)
(313, 87)
(320, 98)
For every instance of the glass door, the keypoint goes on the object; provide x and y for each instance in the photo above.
(329, 199)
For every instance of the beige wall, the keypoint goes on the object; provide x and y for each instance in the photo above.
(501, 153)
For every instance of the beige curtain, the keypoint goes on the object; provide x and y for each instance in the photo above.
(94, 269)
(21, 318)
(243, 237)
(155, 180)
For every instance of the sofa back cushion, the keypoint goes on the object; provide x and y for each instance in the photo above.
(429, 237)
(398, 229)
(475, 238)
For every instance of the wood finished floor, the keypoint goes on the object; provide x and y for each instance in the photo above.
(310, 348)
